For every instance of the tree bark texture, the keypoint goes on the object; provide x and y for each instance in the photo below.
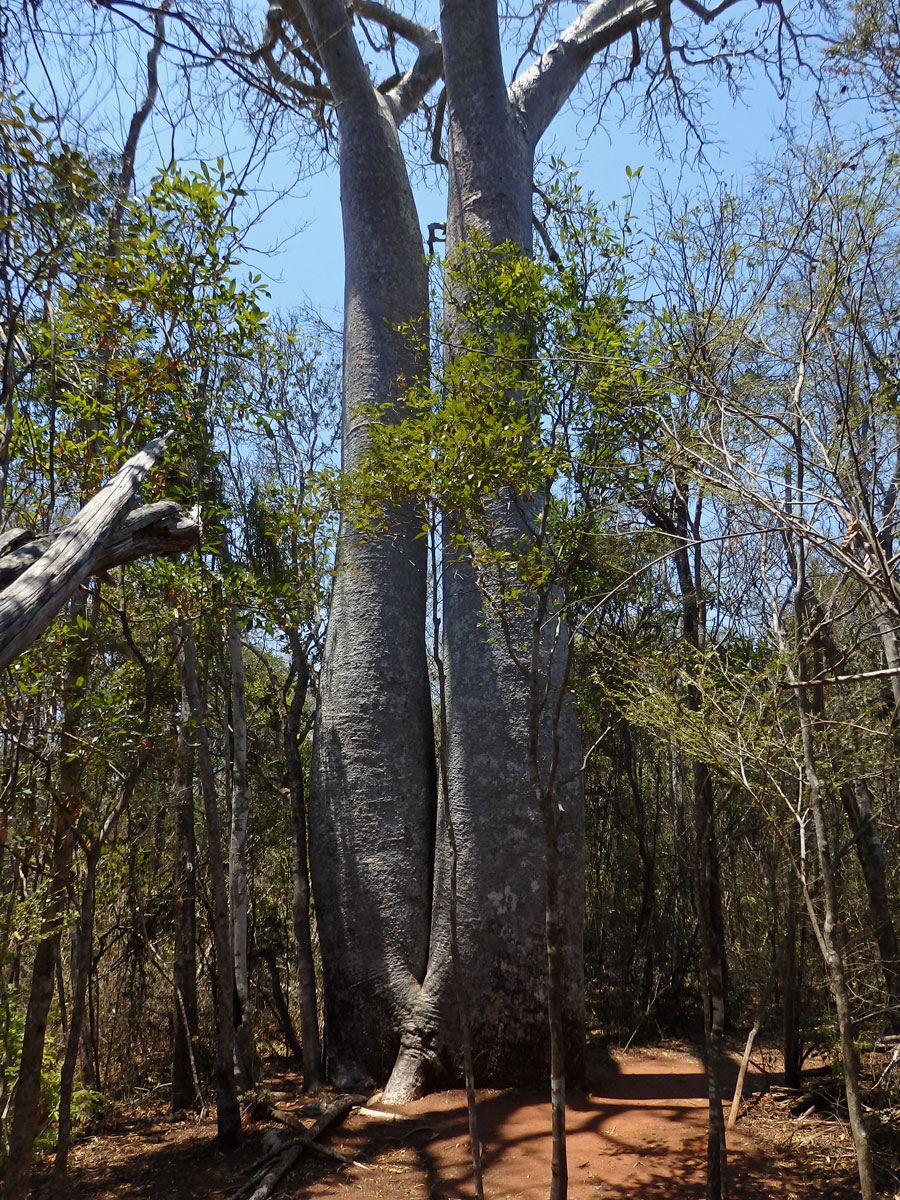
(503, 849)
(385, 941)
(372, 793)
(161, 528)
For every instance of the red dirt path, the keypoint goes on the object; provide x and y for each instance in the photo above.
(639, 1132)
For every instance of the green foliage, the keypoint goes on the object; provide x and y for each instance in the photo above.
(525, 435)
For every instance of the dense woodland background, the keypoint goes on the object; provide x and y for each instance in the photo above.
(715, 426)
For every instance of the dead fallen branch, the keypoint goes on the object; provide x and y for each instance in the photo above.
(375, 1114)
(289, 1121)
(262, 1185)
(100, 536)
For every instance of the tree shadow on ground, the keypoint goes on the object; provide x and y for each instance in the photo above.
(639, 1131)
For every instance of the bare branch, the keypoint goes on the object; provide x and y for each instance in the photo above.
(411, 31)
(707, 14)
(540, 92)
(410, 90)
(28, 607)
(162, 528)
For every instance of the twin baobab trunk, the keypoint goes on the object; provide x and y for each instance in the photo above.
(380, 872)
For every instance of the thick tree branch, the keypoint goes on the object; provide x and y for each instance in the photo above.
(305, 53)
(415, 85)
(31, 603)
(153, 529)
(540, 91)
(411, 31)
(335, 45)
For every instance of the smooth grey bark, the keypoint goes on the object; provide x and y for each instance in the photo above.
(372, 789)
(503, 851)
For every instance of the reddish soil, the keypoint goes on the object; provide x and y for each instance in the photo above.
(639, 1131)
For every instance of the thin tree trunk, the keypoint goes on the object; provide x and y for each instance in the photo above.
(706, 867)
(712, 986)
(228, 1113)
(282, 1012)
(67, 802)
(857, 801)
(751, 1038)
(791, 1047)
(82, 972)
(184, 966)
(544, 795)
(247, 1060)
(826, 932)
(291, 720)
(858, 805)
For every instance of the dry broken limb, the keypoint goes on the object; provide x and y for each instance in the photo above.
(102, 535)
(263, 1184)
(163, 527)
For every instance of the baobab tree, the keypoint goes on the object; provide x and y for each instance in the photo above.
(379, 860)
(379, 866)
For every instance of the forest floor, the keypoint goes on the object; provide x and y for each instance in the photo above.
(639, 1130)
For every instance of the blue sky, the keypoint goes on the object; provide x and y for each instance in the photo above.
(310, 261)
(297, 245)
